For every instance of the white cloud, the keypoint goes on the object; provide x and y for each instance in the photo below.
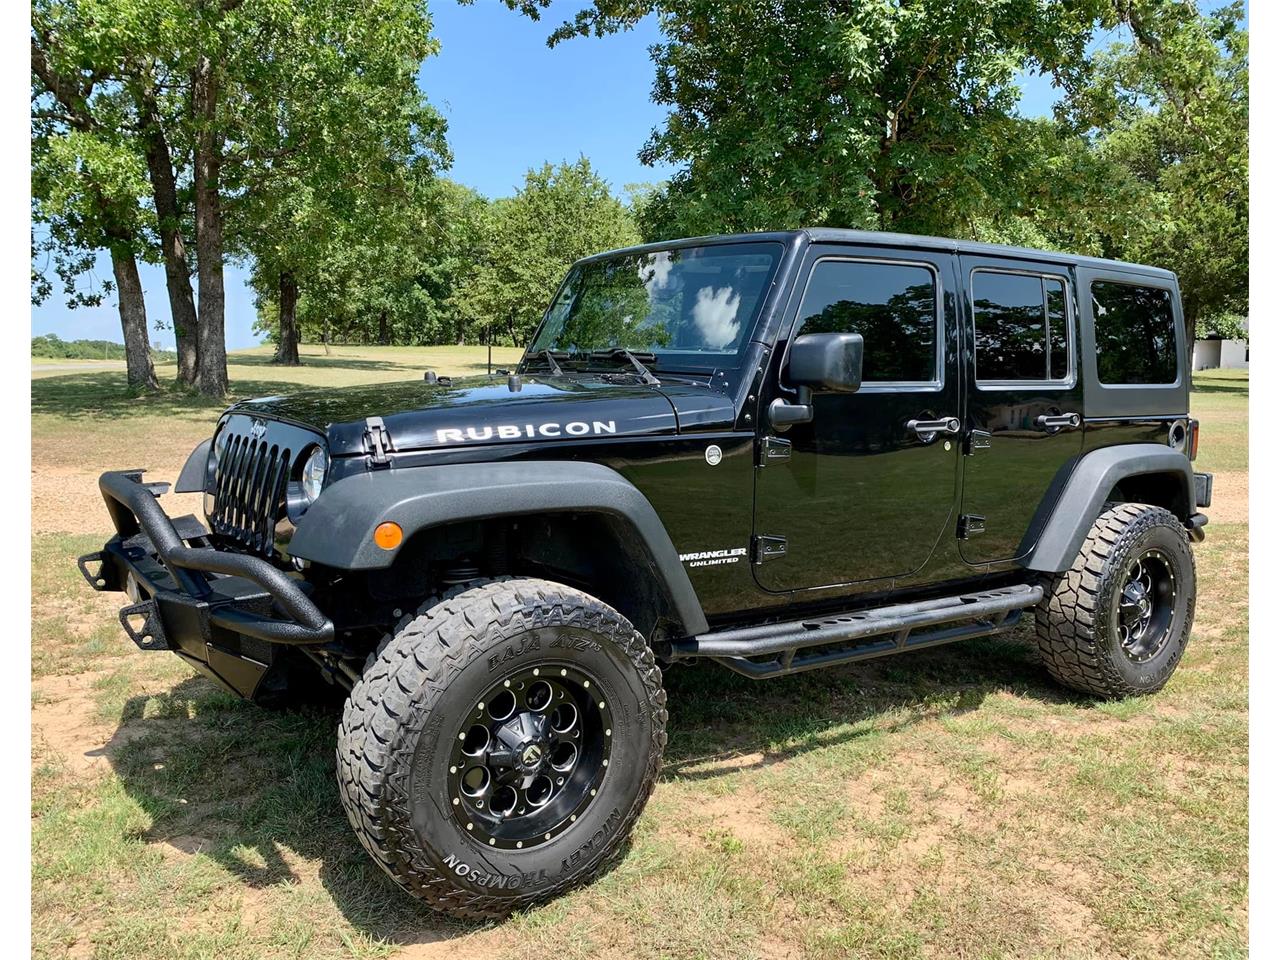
(714, 315)
(655, 272)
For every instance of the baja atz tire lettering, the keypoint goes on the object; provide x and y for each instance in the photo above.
(567, 642)
(511, 651)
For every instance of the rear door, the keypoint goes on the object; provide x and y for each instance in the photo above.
(1025, 400)
(858, 494)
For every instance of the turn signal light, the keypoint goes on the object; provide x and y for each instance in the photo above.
(1193, 443)
(388, 535)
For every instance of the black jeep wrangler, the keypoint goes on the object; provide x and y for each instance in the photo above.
(781, 451)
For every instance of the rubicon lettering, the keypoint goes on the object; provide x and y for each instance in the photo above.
(525, 431)
(713, 558)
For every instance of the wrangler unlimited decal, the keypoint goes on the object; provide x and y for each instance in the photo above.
(516, 431)
(713, 558)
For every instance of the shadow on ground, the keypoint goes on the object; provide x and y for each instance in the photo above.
(255, 790)
(1206, 383)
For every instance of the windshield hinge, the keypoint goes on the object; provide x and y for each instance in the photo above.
(773, 450)
(764, 549)
(379, 441)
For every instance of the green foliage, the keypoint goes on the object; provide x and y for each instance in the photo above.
(874, 115)
(1224, 326)
(561, 214)
(1170, 109)
(51, 346)
(88, 177)
(335, 180)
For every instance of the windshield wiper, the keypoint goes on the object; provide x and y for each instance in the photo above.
(646, 376)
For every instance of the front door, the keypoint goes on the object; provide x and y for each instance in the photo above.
(1025, 413)
(865, 490)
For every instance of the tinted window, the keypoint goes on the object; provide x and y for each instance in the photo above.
(894, 307)
(1133, 327)
(1020, 326)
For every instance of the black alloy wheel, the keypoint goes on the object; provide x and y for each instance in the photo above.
(530, 756)
(1145, 606)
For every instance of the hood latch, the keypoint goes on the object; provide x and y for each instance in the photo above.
(378, 441)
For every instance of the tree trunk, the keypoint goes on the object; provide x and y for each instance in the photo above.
(211, 320)
(177, 271)
(133, 321)
(287, 348)
(384, 333)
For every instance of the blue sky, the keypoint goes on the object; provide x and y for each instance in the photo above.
(511, 103)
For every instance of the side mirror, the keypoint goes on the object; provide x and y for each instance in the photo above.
(826, 361)
(818, 361)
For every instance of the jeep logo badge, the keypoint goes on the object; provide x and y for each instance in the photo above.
(258, 429)
(532, 754)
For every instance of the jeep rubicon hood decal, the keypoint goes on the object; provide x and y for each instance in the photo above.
(474, 410)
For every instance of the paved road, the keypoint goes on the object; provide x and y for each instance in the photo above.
(87, 365)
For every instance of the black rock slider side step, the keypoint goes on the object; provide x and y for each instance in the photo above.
(861, 634)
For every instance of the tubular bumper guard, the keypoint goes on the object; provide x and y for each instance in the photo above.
(196, 600)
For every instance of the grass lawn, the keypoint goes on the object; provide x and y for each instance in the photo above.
(946, 803)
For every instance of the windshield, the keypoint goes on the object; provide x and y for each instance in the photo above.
(688, 308)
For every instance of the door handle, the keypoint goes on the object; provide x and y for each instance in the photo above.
(926, 430)
(1046, 421)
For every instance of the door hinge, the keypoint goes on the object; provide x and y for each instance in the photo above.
(764, 549)
(773, 450)
(970, 526)
(977, 440)
(379, 441)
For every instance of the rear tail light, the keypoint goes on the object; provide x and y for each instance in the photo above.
(1193, 438)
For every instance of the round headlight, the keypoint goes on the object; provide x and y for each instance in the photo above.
(313, 472)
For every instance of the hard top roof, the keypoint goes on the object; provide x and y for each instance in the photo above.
(885, 239)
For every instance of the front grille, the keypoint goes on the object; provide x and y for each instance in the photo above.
(250, 481)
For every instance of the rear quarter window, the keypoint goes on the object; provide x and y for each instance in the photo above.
(1134, 333)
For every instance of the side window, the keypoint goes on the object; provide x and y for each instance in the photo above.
(1133, 328)
(1020, 327)
(895, 308)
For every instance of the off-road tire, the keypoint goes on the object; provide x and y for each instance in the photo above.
(1077, 628)
(398, 725)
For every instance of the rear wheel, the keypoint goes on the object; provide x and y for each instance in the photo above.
(501, 745)
(1116, 624)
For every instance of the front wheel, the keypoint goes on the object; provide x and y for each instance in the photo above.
(1116, 624)
(501, 745)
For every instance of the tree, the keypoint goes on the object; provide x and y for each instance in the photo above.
(391, 273)
(561, 214)
(343, 154)
(87, 179)
(146, 85)
(894, 116)
(1170, 109)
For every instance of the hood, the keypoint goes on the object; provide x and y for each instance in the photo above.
(482, 410)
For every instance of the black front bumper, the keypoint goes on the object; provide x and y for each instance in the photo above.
(222, 612)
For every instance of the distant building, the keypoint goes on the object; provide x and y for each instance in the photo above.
(1214, 353)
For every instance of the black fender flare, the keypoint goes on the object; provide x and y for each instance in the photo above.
(193, 476)
(1068, 512)
(337, 530)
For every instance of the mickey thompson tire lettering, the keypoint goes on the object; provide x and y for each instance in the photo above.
(394, 741)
